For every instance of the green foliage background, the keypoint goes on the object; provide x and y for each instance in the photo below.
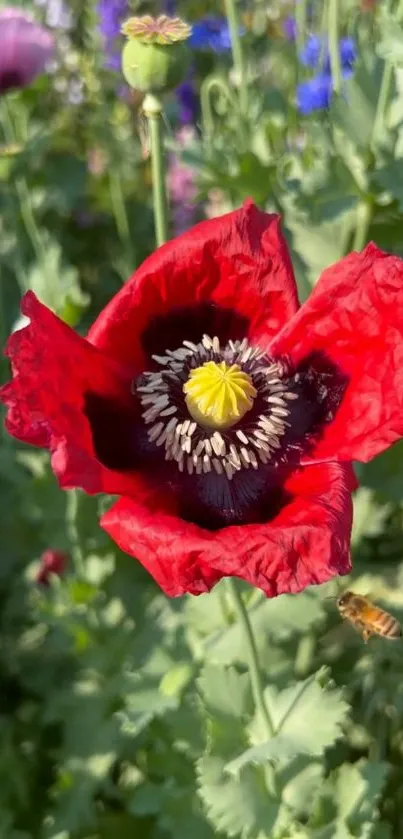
(122, 713)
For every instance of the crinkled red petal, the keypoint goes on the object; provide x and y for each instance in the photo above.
(355, 317)
(305, 544)
(52, 370)
(238, 261)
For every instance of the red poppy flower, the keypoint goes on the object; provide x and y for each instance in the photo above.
(224, 415)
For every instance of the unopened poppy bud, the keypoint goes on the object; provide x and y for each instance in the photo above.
(155, 57)
(51, 562)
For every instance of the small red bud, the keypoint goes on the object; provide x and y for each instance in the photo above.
(51, 562)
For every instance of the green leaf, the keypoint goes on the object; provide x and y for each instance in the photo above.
(369, 516)
(389, 178)
(358, 788)
(307, 719)
(390, 47)
(225, 692)
(300, 781)
(361, 93)
(384, 473)
(57, 284)
(271, 619)
(143, 702)
(237, 806)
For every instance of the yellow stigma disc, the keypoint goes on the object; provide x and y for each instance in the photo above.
(218, 395)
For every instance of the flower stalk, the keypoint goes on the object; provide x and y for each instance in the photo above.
(334, 50)
(72, 505)
(300, 20)
(237, 53)
(254, 668)
(21, 187)
(152, 109)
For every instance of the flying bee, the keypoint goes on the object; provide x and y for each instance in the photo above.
(367, 618)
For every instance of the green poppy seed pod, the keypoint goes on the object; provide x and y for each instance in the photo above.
(155, 57)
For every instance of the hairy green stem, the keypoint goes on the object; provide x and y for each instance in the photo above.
(334, 51)
(237, 53)
(364, 217)
(152, 108)
(254, 668)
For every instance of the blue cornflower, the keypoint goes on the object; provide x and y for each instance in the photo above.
(211, 33)
(316, 94)
(310, 53)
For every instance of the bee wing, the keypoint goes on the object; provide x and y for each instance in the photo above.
(344, 634)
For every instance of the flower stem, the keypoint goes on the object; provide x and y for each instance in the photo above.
(385, 89)
(254, 669)
(120, 215)
(209, 85)
(72, 503)
(21, 187)
(237, 53)
(364, 216)
(334, 51)
(300, 21)
(383, 99)
(152, 108)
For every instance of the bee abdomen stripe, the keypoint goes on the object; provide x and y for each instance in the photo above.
(391, 627)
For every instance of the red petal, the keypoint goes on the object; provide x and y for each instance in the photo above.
(52, 369)
(306, 544)
(355, 317)
(238, 261)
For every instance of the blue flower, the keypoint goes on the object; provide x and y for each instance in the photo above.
(310, 54)
(290, 28)
(188, 103)
(348, 53)
(316, 93)
(211, 33)
(111, 14)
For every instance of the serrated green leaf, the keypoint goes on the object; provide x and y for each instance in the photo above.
(237, 806)
(358, 787)
(306, 718)
(300, 780)
(226, 693)
(143, 703)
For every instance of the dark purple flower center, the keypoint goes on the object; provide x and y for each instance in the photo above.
(11, 79)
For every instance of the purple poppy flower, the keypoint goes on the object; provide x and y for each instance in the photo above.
(25, 48)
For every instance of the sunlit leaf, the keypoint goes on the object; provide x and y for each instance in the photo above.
(306, 719)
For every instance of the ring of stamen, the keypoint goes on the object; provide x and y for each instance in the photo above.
(256, 436)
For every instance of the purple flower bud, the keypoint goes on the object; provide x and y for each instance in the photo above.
(25, 48)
